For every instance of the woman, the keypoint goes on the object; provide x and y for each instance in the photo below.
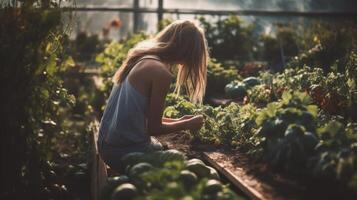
(134, 111)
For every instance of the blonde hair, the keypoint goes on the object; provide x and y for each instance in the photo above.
(183, 42)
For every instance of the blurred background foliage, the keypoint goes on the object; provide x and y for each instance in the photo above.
(44, 145)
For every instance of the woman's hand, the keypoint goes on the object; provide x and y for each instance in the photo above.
(194, 123)
(186, 122)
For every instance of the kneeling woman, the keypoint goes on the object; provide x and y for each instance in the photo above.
(134, 111)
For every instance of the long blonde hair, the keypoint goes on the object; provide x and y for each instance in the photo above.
(182, 42)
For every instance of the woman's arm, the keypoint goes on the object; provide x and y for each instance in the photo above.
(159, 89)
(165, 119)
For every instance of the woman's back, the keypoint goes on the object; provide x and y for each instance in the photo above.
(124, 119)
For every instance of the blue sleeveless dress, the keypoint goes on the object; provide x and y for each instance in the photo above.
(123, 127)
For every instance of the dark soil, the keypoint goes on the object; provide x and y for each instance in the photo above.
(184, 142)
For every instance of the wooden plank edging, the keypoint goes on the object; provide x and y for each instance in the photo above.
(99, 174)
(237, 181)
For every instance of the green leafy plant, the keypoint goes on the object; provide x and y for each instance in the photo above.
(288, 131)
(222, 125)
(336, 153)
(32, 94)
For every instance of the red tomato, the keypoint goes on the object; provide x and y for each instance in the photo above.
(317, 93)
(116, 23)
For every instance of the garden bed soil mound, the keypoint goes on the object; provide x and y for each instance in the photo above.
(183, 141)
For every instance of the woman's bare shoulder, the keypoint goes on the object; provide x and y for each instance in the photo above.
(154, 68)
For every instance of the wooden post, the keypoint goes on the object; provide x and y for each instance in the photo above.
(160, 10)
(136, 15)
(282, 54)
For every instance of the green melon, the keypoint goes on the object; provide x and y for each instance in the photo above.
(139, 168)
(199, 169)
(228, 88)
(212, 187)
(251, 81)
(188, 178)
(125, 191)
(194, 160)
(133, 158)
(213, 173)
(111, 184)
(238, 92)
(118, 179)
(228, 195)
(171, 155)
